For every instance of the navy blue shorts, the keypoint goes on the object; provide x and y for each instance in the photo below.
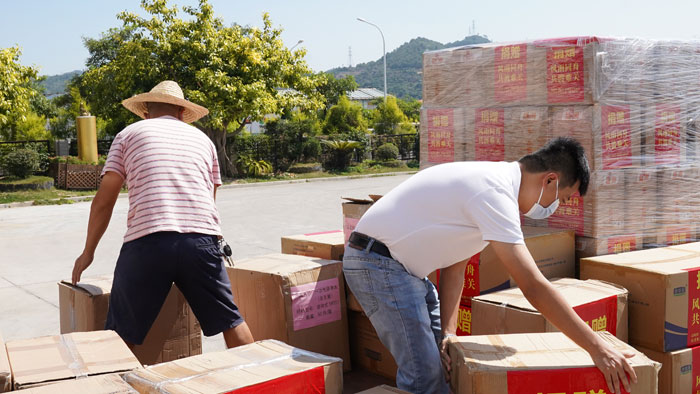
(146, 269)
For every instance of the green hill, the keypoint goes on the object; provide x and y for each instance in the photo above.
(56, 84)
(403, 67)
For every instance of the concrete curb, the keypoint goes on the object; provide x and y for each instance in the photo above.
(232, 186)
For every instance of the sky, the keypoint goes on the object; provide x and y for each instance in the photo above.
(50, 32)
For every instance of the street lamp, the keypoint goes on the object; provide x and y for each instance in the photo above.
(295, 45)
(383, 49)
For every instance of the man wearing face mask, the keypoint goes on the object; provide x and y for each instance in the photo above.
(438, 219)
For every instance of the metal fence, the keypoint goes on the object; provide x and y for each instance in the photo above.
(102, 147)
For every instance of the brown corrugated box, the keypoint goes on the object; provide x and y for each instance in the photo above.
(366, 350)
(353, 209)
(5, 373)
(383, 389)
(662, 293)
(265, 366)
(641, 201)
(299, 300)
(679, 205)
(527, 129)
(329, 245)
(101, 384)
(603, 306)
(537, 363)
(174, 334)
(678, 373)
(44, 360)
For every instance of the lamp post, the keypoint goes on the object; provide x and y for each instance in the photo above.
(383, 49)
(295, 45)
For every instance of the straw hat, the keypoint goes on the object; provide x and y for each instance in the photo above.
(165, 92)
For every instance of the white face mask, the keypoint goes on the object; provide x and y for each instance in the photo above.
(538, 211)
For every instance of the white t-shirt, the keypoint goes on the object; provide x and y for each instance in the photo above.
(447, 213)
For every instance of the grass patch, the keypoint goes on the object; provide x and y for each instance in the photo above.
(32, 180)
(365, 168)
(45, 197)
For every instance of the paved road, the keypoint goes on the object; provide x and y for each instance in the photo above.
(38, 245)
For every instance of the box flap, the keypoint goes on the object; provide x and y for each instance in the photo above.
(575, 292)
(668, 260)
(372, 199)
(531, 231)
(283, 264)
(102, 384)
(5, 375)
(334, 237)
(552, 350)
(66, 356)
(234, 368)
(94, 286)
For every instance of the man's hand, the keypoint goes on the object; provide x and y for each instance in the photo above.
(445, 357)
(615, 367)
(81, 264)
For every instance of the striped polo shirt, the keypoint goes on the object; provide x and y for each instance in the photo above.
(170, 169)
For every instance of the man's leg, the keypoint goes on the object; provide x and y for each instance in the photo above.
(395, 302)
(237, 336)
(202, 278)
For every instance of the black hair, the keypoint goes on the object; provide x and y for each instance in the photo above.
(564, 155)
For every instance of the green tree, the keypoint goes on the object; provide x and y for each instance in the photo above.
(387, 116)
(17, 89)
(344, 117)
(333, 88)
(411, 108)
(239, 73)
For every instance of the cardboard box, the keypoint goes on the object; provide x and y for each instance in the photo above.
(664, 299)
(642, 209)
(174, 334)
(101, 384)
(383, 389)
(353, 209)
(5, 373)
(679, 208)
(592, 247)
(329, 245)
(527, 129)
(299, 300)
(537, 363)
(261, 367)
(366, 350)
(603, 306)
(45, 360)
(679, 374)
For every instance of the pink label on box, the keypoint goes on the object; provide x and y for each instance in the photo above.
(315, 303)
(441, 136)
(349, 225)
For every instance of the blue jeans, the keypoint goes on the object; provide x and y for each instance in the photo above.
(405, 311)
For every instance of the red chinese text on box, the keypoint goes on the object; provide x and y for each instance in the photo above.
(441, 136)
(616, 136)
(489, 139)
(510, 73)
(667, 134)
(565, 74)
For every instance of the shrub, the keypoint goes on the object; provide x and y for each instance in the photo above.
(21, 163)
(311, 150)
(340, 154)
(387, 152)
(251, 167)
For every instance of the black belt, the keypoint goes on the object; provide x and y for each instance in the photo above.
(360, 241)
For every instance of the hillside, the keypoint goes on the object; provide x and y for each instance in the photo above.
(56, 84)
(403, 67)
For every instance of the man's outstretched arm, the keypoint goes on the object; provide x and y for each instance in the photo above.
(100, 215)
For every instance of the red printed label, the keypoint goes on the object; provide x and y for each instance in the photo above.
(693, 306)
(678, 235)
(667, 134)
(471, 279)
(464, 320)
(696, 370)
(622, 244)
(349, 225)
(315, 303)
(311, 382)
(560, 381)
(600, 315)
(565, 74)
(616, 136)
(489, 142)
(569, 215)
(441, 136)
(510, 74)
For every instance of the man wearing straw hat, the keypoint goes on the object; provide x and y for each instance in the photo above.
(172, 172)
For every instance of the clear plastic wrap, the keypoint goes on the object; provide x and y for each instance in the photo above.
(633, 104)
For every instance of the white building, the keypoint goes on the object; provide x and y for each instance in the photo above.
(365, 96)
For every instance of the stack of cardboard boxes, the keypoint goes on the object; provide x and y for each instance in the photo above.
(664, 307)
(631, 103)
